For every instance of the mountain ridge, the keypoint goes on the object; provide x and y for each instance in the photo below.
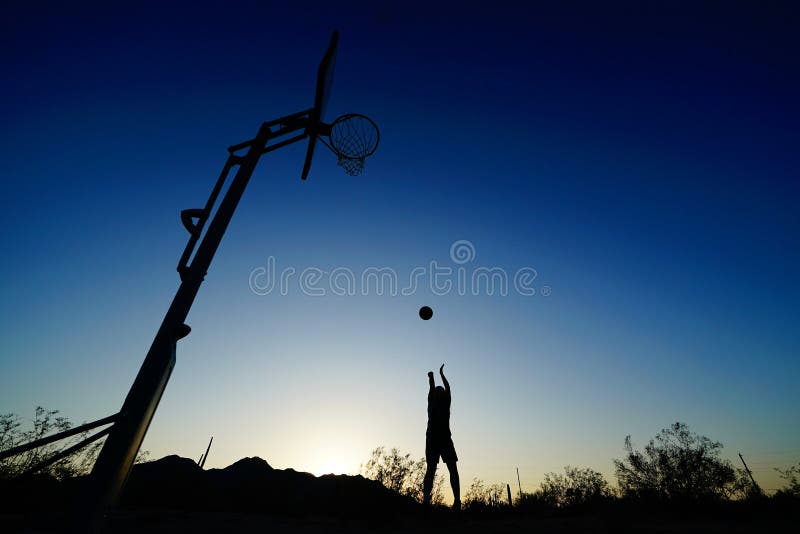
(252, 485)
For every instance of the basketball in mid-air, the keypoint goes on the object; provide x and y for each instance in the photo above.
(425, 313)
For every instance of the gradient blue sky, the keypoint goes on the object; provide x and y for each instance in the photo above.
(642, 159)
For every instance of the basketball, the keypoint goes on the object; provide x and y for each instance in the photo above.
(425, 313)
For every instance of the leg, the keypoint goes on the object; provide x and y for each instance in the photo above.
(455, 484)
(427, 487)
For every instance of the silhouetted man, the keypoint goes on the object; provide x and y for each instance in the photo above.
(438, 440)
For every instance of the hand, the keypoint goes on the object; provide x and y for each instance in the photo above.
(441, 369)
(430, 374)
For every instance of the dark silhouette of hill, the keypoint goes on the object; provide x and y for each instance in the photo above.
(249, 486)
(252, 485)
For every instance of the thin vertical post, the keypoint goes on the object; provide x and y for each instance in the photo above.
(205, 456)
(508, 489)
(520, 483)
(753, 480)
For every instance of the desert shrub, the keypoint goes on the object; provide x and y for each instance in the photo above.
(677, 465)
(534, 501)
(577, 486)
(481, 495)
(46, 422)
(742, 487)
(401, 473)
(792, 478)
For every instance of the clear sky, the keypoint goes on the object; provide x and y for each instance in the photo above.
(643, 161)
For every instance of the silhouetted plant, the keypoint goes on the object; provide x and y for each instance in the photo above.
(399, 472)
(677, 464)
(480, 495)
(46, 422)
(577, 486)
(743, 487)
(792, 478)
(534, 501)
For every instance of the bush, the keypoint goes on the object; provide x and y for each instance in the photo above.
(47, 422)
(533, 502)
(577, 486)
(676, 465)
(480, 495)
(44, 422)
(743, 488)
(792, 477)
(399, 472)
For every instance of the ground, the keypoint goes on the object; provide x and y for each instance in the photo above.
(163, 522)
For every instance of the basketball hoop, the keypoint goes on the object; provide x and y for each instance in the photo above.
(353, 138)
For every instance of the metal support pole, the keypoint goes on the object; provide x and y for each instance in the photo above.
(66, 452)
(55, 437)
(119, 451)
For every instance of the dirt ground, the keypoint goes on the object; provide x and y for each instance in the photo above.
(220, 523)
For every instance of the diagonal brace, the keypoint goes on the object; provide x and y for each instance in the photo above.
(55, 437)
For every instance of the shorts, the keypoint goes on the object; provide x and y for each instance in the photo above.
(439, 445)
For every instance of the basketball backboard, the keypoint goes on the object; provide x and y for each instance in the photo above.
(324, 82)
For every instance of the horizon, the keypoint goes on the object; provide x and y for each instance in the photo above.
(636, 170)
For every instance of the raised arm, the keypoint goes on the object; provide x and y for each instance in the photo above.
(444, 380)
(430, 381)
